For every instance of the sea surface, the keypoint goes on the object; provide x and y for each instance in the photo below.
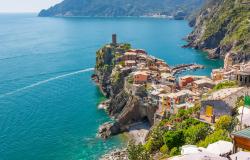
(48, 103)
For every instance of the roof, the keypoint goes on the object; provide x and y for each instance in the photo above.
(189, 149)
(130, 61)
(189, 105)
(223, 93)
(187, 76)
(199, 156)
(220, 147)
(240, 155)
(243, 133)
(140, 73)
(204, 81)
(180, 93)
(130, 53)
(166, 75)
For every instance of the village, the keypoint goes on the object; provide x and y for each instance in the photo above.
(158, 84)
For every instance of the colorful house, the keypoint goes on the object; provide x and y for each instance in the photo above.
(185, 80)
(129, 56)
(130, 63)
(140, 77)
(222, 102)
(202, 84)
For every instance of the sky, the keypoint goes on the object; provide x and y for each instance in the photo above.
(25, 5)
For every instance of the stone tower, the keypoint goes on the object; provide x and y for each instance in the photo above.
(114, 39)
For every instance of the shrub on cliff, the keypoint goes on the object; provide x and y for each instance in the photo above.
(196, 133)
(214, 137)
(174, 152)
(155, 140)
(225, 123)
(137, 152)
(226, 84)
(174, 138)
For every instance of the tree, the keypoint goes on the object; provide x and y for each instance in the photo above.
(155, 141)
(174, 152)
(239, 102)
(183, 114)
(187, 123)
(196, 133)
(137, 152)
(164, 149)
(225, 123)
(174, 138)
(214, 137)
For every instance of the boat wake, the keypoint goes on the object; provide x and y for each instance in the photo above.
(45, 81)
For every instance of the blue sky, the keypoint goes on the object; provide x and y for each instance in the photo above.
(25, 5)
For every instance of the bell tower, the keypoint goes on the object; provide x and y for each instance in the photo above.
(114, 39)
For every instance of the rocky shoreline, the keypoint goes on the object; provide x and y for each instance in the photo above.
(117, 154)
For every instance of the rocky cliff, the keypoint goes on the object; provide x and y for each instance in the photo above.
(223, 26)
(113, 8)
(126, 108)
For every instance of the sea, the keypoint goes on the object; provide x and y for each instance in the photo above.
(48, 102)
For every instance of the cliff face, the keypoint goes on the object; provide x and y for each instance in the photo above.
(223, 26)
(112, 8)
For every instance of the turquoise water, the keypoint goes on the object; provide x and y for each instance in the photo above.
(48, 104)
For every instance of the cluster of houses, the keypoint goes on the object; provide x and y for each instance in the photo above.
(163, 90)
(170, 94)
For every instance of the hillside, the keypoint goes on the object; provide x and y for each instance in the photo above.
(113, 8)
(223, 26)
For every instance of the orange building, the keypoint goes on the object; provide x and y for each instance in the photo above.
(184, 81)
(140, 77)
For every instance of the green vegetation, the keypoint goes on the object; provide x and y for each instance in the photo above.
(226, 84)
(115, 77)
(137, 152)
(183, 130)
(174, 139)
(130, 79)
(240, 102)
(126, 46)
(225, 123)
(214, 137)
(196, 133)
(232, 18)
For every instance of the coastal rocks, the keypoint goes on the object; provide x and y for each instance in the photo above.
(108, 129)
(118, 154)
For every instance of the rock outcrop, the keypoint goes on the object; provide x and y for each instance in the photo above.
(223, 26)
(126, 108)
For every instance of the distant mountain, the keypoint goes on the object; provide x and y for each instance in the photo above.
(221, 27)
(114, 8)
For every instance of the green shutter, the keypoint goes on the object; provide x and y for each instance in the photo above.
(247, 101)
